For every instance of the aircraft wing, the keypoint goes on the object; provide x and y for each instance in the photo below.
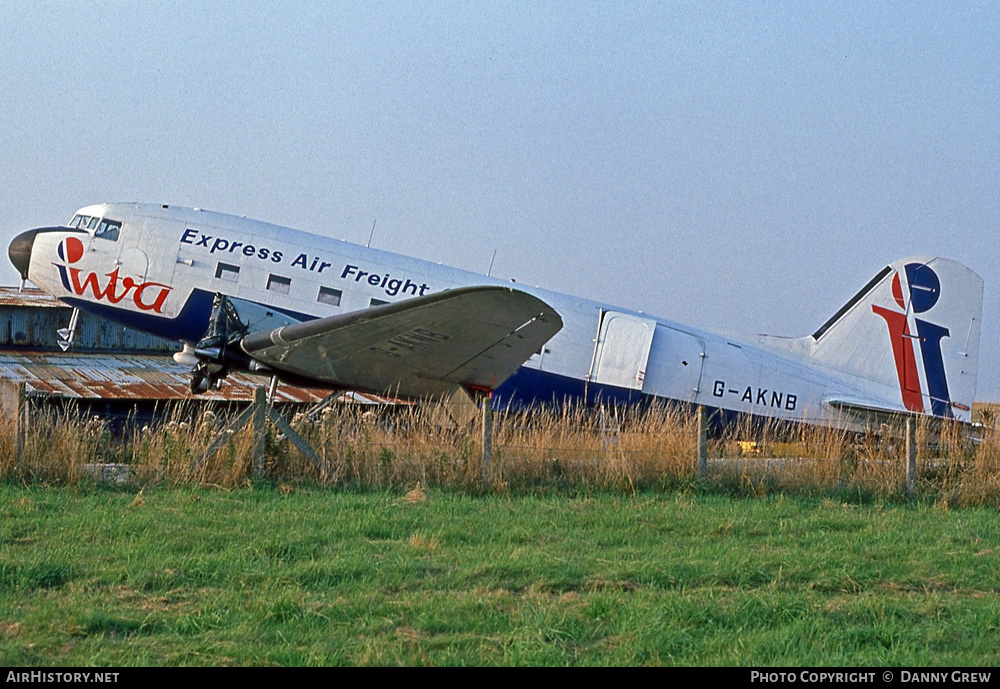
(471, 336)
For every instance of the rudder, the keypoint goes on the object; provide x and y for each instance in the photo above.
(911, 336)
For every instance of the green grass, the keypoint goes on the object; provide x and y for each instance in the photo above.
(320, 576)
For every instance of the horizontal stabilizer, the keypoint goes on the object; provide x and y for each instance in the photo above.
(865, 409)
(472, 336)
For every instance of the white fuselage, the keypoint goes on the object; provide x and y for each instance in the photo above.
(161, 270)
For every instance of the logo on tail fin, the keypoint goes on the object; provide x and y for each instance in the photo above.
(923, 289)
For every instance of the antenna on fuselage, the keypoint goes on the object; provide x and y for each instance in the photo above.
(491, 263)
(372, 234)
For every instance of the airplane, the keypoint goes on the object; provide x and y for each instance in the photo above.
(308, 310)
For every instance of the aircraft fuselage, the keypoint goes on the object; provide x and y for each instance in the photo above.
(157, 268)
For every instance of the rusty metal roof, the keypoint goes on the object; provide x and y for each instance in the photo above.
(138, 377)
(31, 296)
(125, 375)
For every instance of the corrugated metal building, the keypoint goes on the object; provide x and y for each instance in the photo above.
(110, 370)
(29, 320)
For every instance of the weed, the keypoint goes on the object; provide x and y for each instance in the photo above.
(567, 448)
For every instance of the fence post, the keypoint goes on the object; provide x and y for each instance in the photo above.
(20, 422)
(487, 438)
(911, 456)
(258, 429)
(702, 456)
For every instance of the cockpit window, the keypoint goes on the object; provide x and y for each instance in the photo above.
(108, 229)
(105, 229)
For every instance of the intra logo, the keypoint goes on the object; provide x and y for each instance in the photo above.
(922, 291)
(147, 296)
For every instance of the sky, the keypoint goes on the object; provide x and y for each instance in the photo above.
(738, 166)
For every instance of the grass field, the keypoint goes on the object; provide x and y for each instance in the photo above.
(274, 574)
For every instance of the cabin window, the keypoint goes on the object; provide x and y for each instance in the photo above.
(225, 271)
(328, 295)
(108, 229)
(279, 284)
(378, 302)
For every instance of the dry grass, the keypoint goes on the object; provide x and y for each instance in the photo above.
(622, 449)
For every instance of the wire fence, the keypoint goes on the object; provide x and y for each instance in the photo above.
(576, 448)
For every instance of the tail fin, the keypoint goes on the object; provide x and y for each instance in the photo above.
(911, 337)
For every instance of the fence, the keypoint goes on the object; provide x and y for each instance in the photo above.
(577, 448)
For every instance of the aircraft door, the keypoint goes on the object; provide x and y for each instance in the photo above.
(675, 364)
(103, 247)
(134, 262)
(622, 350)
(147, 254)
